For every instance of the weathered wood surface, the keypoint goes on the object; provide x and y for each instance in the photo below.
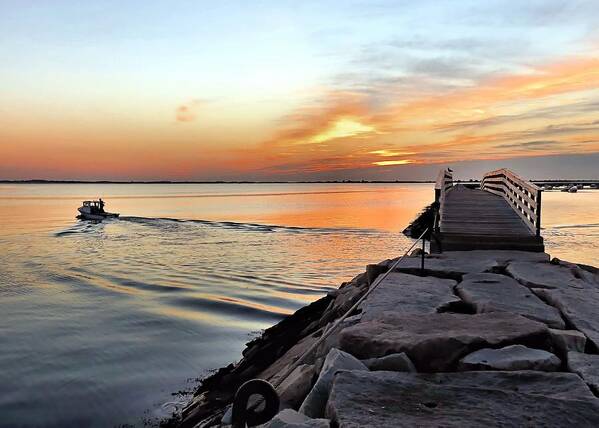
(477, 219)
(523, 196)
(476, 212)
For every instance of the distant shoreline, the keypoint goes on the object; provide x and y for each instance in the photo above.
(212, 182)
(40, 181)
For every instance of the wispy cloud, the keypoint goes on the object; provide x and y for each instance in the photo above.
(188, 112)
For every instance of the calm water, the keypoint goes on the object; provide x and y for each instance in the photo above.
(101, 323)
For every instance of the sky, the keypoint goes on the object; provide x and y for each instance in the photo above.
(288, 90)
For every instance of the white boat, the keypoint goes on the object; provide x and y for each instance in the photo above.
(94, 210)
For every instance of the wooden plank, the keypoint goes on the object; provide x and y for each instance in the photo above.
(503, 214)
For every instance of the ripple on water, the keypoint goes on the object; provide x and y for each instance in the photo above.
(227, 306)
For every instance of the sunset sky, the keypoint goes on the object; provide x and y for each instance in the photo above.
(288, 90)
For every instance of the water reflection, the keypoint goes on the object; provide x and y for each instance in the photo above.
(101, 322)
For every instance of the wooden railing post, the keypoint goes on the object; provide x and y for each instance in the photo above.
(538, 219)
(523, 196)
(443, 185)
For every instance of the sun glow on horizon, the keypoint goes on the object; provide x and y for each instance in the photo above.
(393, 162)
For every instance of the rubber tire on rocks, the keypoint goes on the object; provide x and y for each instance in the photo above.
(243, 416)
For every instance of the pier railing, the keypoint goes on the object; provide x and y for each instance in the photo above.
(443, 185)
(521, 194)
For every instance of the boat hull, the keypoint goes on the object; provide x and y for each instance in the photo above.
(96, 216)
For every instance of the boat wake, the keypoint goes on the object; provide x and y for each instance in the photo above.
(575, 226)
(254, 227)
(78, 228)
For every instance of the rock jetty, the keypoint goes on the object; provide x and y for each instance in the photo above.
(478, 338)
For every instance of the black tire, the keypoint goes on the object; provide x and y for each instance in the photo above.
(243, 416)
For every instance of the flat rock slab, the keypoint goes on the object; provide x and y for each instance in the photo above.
(561, 385)
(580, 307)
(462, 262)
(513, 357)
(549, 275)
(488, 292)
(360, 399)
(435, 342)
(408, 294)
(586, 366)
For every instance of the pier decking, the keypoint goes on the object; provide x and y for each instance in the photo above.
(504, 214)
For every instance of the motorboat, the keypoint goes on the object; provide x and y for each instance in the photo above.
(94, 210)
(573, 189)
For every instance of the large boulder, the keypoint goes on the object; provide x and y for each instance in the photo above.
(457, 263)
(345, 297)
(488, 292)
(332, 340)
(392, 363)
(578, 306)
(314, 404)
(568, 340)
(296, 386)
(409, 399)
(549, 275)
(586, 366)
(289, 418)
(408, 294)
(513, 357)
(435, 342)
(273, 372)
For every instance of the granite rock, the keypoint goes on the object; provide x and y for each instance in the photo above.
(273, 371)
(457, 263)
(435, 342)
(409, 399)
(393, 363)
(408, 294)
(488, 292)
(586, 366)
(568, 340)
(578, 306)
(296, 386)
(549, 275)
(513, 357)
(289, 418)
(314, 404)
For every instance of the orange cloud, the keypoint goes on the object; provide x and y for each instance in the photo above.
(348, 131)
(550, 110)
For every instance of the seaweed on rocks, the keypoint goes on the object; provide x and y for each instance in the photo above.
(216, 391)
(424, 220)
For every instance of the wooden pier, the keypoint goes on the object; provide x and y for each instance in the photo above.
(504, 213)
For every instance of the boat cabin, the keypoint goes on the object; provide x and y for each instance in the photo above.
(94, 206)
